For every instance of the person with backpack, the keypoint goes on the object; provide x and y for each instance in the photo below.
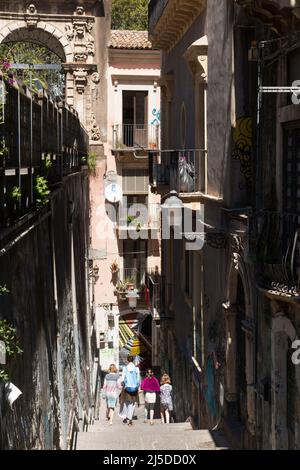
(151, 387)
(131, 383)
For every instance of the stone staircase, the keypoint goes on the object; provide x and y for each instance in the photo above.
(143, 436)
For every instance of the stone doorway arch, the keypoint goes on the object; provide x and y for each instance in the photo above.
(237, 325)
(283, 332)
(70, 31)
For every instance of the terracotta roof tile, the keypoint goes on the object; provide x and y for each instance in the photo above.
(125, 39)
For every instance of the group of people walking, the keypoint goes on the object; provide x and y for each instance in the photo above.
(127, 388)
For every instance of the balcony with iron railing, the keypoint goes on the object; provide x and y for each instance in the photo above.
(139, 217)
(281, 15)
(145, 284)
(180, 170)
(135, 136)
(276, 246)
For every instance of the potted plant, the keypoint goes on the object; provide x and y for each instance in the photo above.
(130, 219)
(130, 283)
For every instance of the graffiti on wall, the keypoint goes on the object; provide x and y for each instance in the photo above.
(242, 151)
(156, 115)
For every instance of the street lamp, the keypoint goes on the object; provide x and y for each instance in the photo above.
(132, 297)
(94, 273)
(174, 206)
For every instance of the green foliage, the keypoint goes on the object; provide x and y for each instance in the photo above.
(42, 191)
(30, 53)
(131, 14)
(3, 290)
(130, 218)
(3, 148)
(8, 334)
(92, 162)
(16, 193)
(48, 162)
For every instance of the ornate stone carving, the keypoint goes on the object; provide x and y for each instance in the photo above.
(80, 56)
(238, 243)
(95, 130)
(80, 32)
(70, 32)
(90, 44)
(79, 11)
(80, 78)
(31, 16)
(95, 77)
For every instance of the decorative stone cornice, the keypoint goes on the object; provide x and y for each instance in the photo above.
(174, 21)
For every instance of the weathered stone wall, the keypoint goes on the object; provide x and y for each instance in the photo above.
(37, 269)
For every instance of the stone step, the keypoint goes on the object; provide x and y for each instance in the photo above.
(137, 440)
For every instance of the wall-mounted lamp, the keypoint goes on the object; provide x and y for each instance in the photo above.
(94, 273)
(173, 206)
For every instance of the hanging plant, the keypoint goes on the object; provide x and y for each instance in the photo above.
(16, 193)
(8, 335)
(42, 192)
(114, 267)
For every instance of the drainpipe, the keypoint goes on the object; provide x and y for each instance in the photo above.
(257, 206)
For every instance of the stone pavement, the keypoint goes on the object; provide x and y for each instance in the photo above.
(143, 436)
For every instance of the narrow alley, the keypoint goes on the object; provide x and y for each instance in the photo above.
(150, 224)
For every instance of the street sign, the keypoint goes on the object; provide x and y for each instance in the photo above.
(2, 353)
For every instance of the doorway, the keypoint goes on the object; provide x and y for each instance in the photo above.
(135, 118)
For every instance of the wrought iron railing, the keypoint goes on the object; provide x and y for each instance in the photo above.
(137, 136)
(141, 216)
(37, 138)
(277, 249)
(183, 170)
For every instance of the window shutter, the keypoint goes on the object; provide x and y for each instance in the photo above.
(135, 181)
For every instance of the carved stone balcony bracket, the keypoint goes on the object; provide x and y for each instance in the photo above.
(166, 82)
(196, 57)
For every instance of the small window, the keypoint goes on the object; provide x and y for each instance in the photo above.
(135, 181)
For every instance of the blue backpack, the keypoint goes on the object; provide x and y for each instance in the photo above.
(131, 383)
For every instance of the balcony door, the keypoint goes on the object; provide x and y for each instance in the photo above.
(135, 260)
(135, 118)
